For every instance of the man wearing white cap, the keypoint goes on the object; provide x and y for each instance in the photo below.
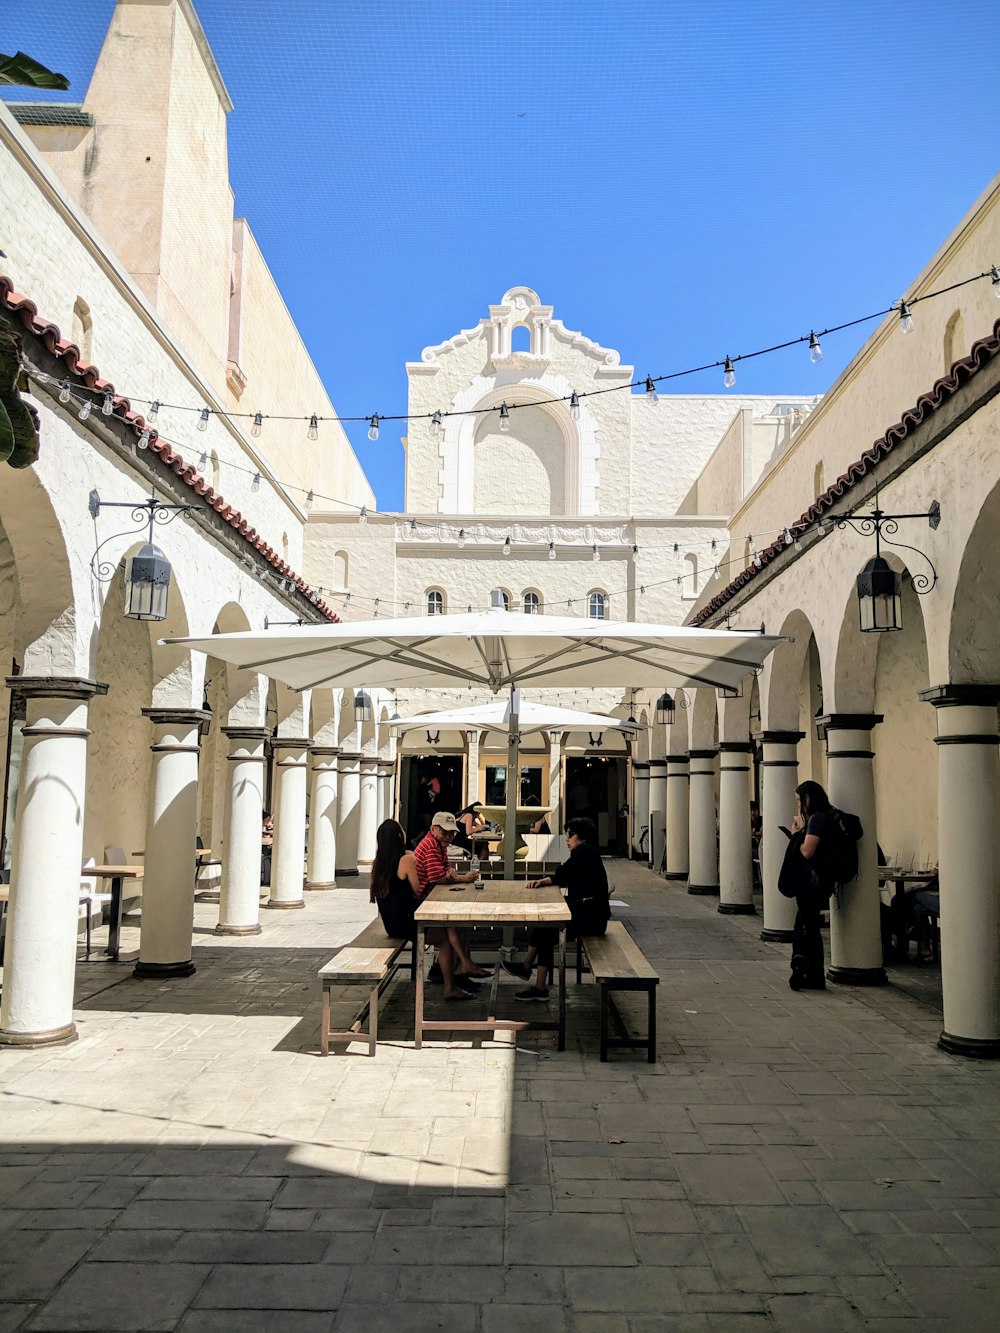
(431, 855)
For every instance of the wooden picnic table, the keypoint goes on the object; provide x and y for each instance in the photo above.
(117, 875)
(500, 902)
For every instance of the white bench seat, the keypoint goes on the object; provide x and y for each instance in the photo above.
(371, 957)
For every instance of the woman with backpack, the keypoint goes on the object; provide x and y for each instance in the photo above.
(809, 852)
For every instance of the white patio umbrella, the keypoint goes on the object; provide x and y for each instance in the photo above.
(531, 717)
(495, 649)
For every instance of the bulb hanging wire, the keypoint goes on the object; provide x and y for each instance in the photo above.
(203, 462)
(504, 418)
(108, 405)
(995, 280)
(154, 410)
(203, 419)
(650, 390)
(815, 350)
(552, 550)
(84, 412)
(310, 499)
(313, 431)
(461, 538)
(144, 440)
(373, 427)
(257, 426)
(363, 515)
(718, 573)
(596, 553)
(506, 545)
(413, 527)
(65, 392)
(436, 423)
(729, 374)
(255, 484)
(905, 318)
(788, 537)
(635, 553)
(574, 406)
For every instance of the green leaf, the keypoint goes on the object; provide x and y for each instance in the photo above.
(6, 435)
(28, 73)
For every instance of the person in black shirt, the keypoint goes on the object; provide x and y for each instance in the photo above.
(586, 883)
(812, 824)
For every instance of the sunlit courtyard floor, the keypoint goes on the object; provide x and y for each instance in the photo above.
(800, 1162)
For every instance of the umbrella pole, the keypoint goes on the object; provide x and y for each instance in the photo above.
(510, 826)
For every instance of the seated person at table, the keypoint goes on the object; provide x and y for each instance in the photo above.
(470, 822)
(586, 883)
(431, 858)
(541, 825)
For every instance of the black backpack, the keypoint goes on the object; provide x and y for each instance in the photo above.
(841, 860)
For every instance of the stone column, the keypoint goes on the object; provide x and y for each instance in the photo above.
(703, 871)
(367, 813)
(855, 929)
(735, 843)
(969, 858)
(677, 816)
(348, 813)
(657, 811)
(171, 830)
(44, 910)
(291, 775)
(387, 774)
(472, 767)
(322, 873)
(555, 781)
(779, 776)
(640, 803)
(239, 899)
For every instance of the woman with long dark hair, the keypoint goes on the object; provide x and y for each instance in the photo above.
(811, 824)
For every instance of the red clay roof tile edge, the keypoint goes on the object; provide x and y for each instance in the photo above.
(69, 353)
(961, 372)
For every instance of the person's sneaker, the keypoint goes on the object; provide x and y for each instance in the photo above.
(532, 993)
(518, 970)
(434, 972)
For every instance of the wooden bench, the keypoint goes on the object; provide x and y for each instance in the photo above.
(618, 963)
(371, 957)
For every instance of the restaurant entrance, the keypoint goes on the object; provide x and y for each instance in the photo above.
(596, 786)
(427, 783)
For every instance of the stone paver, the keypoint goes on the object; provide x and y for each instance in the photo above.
(791, 1161)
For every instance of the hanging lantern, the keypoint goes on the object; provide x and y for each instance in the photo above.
(879, 597)
(665, 709)
(363, 706)
(147, 584)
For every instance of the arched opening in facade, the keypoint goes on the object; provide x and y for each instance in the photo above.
(522, 470)
(520, 338)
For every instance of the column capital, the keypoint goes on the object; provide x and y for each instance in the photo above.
(55, 687)
(678, 758)
(640, 766)
(959, 696)
(291, 742)
(352, 755)
(702, 754)
(657, 763)
(166, 717)
(782, 737)
(849, 721)
(324, 751)
(736, 747)
(246, 733)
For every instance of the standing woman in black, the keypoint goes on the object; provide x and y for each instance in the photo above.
(811, 825)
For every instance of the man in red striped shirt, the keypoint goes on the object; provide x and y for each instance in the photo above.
(431, 856)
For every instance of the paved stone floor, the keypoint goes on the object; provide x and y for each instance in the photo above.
(795, 1162)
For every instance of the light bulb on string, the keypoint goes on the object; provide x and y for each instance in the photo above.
(461, 538)
(413, 527)
(552, 550)
(635, 552)
(154, 410)
(574, 406)
(203, 462)
(84, 412)
(143, 440)
(715, 545)
(108, 405)
(203, 419)
(506, 545)
(650, 390)
(255, 484)
(436, 423)
(257, 426)
(995, 279)
(729, 374)
(313, 431)
(504, 418)
(815, 350)
(40, 376)
(65, 392)
(373, 427)
(905, 318)
(310, 499)
(718, 573)
(788, 537)
(363, 515)
(596, 553)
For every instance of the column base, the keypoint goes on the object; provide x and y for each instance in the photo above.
(157, 971)
(981, 1048)
(320, 885)
(858, 976)
(285, 905)
(705, 890)
(342, 874)
(675, 874)
(208, 896)
(777, 936)
(221, 929)
(53, 1037)
(737, 909)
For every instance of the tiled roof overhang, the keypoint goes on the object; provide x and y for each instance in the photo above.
(961, 372)
(90, 377)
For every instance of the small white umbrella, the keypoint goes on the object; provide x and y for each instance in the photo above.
(531, 717)
(495, 649)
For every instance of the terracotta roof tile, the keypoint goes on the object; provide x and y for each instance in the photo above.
(963, 370)
(77, 368)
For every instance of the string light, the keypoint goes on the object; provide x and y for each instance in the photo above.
(255, 484)
(258, 424)
(905, 318)
(108, 405)
(596, 553)
(413, 527)
(506, 545)
(436, 423)
(635, 552)
(373, 427)
(154, 410)
(203, 462)
(461, 538)
(310, 499)
(504, 418)
(718, 573)
(788, 537)
(574, 406)
(203, 419)
(650, 390)
(84, 412)
(815, 350)
(729, 374)
(65, 391)
(313, 431)
(144, 439)
(552, 550)
(995, 279)
(363, 515)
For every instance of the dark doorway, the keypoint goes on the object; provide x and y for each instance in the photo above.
(428, 783)
(596, 788)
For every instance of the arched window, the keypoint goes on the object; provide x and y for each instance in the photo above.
(954, 340)
(532, 603)
(818, 487)
(520, 338)
(215, 471)
(506, 598)
(284, 547)
(435, 602)
(83, 328)
(597, 605)
(690, 585)
(341, 569)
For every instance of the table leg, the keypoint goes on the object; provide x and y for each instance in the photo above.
(418, 1016)
(562, 989)
(651, 1026)
(115, 927)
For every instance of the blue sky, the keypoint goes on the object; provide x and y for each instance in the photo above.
(679, 180)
